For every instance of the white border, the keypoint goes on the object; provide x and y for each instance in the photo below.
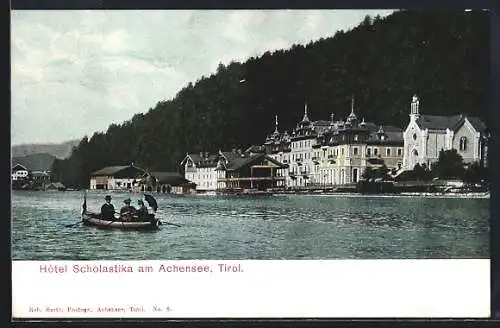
(264, 289)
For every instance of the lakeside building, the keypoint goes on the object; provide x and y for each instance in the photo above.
(19, 172)
(166, 182)
(334, 152)
(116, 177)
(426, 135)
(233, 170)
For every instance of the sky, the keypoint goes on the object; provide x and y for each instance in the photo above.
(74, 73)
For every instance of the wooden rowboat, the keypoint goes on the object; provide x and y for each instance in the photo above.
(93, 219)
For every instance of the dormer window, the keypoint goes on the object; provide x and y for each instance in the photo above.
(382, 137)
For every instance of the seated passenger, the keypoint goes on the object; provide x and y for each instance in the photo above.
(107, 209)
(127, 210)
(142, 212)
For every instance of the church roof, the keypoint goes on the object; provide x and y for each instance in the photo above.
(477, 123)
(435, 122)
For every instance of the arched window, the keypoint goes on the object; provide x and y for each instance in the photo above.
(415, 152)
(463, 144)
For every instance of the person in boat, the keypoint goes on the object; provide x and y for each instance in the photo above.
(107, 209)
(142, 212)
(127, 211)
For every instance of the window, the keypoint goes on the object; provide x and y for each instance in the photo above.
(342, 151)
(414, 136)
(388, 152)
(355, 137)
(355, 150)
(368, 151)
(463, 144)
(400, 151)
(375, 151)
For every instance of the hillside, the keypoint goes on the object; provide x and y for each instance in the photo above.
(62, 150)
(36, 162)
(441, 56)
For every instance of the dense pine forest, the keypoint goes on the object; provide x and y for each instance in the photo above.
(442, 56)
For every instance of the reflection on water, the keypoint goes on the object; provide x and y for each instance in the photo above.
(284, 227)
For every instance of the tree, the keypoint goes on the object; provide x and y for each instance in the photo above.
(421, 173)
(450, 165)
(475, 173)
(377, 61)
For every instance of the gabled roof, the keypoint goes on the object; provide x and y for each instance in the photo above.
(237, 161)
(110, 170)
(172, 178)
(435, 122)
(19, 167)
(202, 161)
(113, 170)
(477, 123)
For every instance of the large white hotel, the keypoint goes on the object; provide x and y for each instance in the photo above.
(337, 152)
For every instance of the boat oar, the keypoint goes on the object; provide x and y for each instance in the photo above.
(165, 222)
(72, 225)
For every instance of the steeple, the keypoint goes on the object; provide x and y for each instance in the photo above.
(276, 124)
(380, 130)
(305, 118)
(352, 116)
(414, 110)
(362, 122)
(332, 117)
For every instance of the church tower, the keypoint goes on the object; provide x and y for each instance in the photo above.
(414, 110)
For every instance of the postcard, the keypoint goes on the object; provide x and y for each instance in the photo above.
(250, 164)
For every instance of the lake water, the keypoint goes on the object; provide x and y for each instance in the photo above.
(265, 227)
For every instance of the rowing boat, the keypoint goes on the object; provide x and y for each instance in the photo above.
(93, 219)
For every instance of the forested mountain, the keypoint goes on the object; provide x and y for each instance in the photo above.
(61, 150)
(442, 56)
(35, 162)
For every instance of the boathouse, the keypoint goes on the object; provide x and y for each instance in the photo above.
(239, 171)
(166, 182)
(116, 177)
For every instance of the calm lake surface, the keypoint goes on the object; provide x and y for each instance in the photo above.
(265, 227)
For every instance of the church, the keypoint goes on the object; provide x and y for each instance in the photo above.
(426, 135)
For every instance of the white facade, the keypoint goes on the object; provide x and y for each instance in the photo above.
(343, 155)
(205, 178)
(19, 172)
(425, 136)
(19, 175)
(202, 171)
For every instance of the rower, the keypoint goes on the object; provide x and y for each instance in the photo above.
(127, 210)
